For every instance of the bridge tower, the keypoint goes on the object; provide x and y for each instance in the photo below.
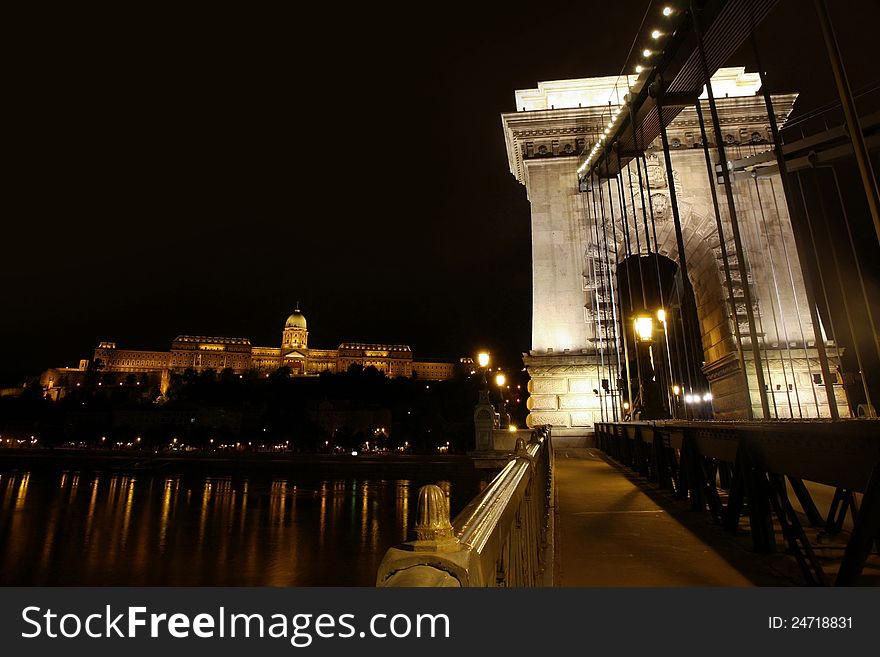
(570, 388)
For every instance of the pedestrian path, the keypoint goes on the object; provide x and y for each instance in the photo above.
(611, 532)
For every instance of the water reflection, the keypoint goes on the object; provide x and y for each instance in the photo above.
(85, 528)
(22, 491)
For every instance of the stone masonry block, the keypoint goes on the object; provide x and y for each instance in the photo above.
(547, 385)
(582, 385)
(545, 417)
(578, 401)
(583, 419)
(542, 403)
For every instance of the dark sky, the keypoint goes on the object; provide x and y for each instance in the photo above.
(202, 172)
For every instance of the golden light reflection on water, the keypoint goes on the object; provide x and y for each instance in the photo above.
(91, 512)
(51, 526)
(365, 511)
(127, 517)
(403, 493)
(85, 528)
(22, 491)
(244, 503)
(322, 523)
(163, 518)
(203, 512)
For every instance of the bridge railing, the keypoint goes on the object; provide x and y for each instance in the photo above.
(736, 469)
(499, 539)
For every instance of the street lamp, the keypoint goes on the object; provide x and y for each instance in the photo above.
(690, 401)
(643, 333)
(707, 400)
(504, 421)
(483, 362)
(644, 327)
(661, 317)
(676, 391)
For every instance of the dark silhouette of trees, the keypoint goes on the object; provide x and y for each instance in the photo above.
(343, 410)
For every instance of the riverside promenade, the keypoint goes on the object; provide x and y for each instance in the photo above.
(610, 531)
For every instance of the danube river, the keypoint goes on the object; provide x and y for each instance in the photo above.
(93, 528)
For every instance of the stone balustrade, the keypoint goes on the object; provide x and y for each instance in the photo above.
(499, 539)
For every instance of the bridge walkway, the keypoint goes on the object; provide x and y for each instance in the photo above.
(612, 532)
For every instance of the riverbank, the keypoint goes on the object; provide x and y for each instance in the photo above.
(275, 463)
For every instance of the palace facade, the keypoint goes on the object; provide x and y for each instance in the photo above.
(200, 353)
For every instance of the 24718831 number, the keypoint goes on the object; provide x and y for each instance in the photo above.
(810, 623)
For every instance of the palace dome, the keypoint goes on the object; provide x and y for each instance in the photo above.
(296, 320)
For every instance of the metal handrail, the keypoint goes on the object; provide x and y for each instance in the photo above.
(747, 468)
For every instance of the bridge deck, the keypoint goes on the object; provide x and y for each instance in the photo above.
(611, 532)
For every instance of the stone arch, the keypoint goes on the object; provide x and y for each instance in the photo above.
(790, 358)
(702, 251)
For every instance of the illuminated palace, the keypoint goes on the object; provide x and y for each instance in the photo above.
(199, 353)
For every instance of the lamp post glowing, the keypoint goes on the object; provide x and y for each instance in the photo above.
(483, 362)
(486, 416)
(690, 401)
(644, 327)
(661, 317)
(503, 419)
(643, 332)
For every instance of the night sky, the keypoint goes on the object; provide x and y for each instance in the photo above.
(202, 172)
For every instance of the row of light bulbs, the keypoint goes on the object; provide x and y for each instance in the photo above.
(646, 53)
